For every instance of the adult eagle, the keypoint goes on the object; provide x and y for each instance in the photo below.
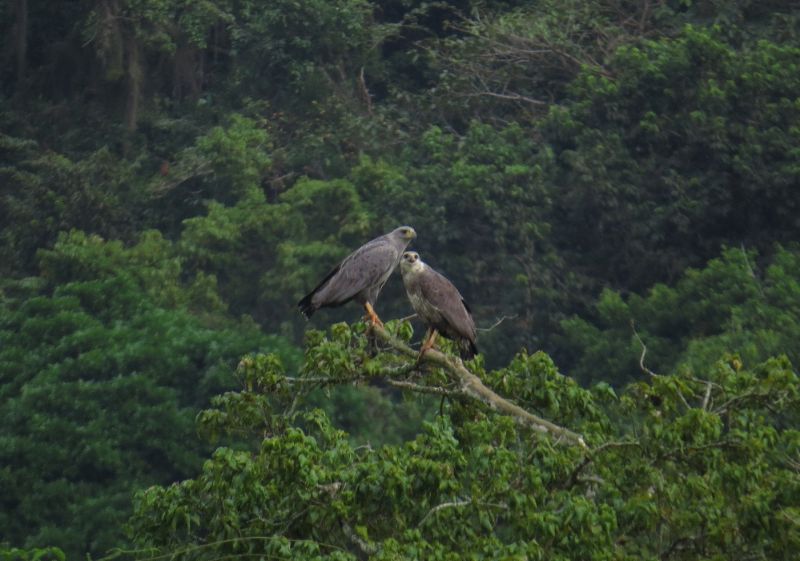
(361, 275)
(439, 305)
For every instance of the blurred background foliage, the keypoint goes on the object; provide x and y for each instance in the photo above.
(594, 175)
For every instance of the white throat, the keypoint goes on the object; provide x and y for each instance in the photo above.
(412, 268)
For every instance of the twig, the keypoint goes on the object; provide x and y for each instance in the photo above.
(746, 395)
(647, 370)
(436, 390)
(439, 507)
(510, 97)
(751, 271)
(455, 504)
(794, 464)
(495, 324)
(387, 375)
(644, 352)
(199, 171)
(362, 87)
(707, 397)
(589, 458)
(366, 547)
(473, 387)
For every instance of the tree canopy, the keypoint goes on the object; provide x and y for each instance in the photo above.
(612, 186)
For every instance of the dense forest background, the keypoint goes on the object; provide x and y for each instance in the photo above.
(594, 175)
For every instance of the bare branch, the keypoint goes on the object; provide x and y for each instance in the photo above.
(368, 548)
(389, 373)
(199, 170)
(574, 476)
(647, 370)
(644, 352)
(456, 504)
(419, 388)
(793, 463)
(751, 271)
(510, 97)
(473, 387)
(439, 507)
(736, 399)
(495, 324)
(364, 92)
(707, 396)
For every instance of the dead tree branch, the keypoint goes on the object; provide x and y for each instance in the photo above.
(498, 322)
(644, 352)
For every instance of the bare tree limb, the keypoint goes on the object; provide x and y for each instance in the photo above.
(456, 504)
(473, 387)
(419, 388)
(644, 352)
(647, 370)
(751, 271)
(495, 324)
(589, 458)
(439, 507)
(509, 97)
(707, 396)
(368, 548)
(387, 375)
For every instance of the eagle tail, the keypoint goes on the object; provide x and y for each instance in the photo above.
(468, 349)
(306, 307)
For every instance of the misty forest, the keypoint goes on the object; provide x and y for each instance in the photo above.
(613, 186)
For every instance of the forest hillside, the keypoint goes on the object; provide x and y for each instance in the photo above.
(613, 186)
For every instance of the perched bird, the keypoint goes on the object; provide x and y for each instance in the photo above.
(439, 305)
(361, 275)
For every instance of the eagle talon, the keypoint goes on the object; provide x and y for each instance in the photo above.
(427, 344)
(371, 317)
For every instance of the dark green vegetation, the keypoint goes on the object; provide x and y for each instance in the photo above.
(602, 175)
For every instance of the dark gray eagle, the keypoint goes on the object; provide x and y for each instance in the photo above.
(439, 305)
(361, 275)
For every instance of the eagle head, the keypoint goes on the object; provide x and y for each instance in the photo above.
(405, 233)
(411, 263)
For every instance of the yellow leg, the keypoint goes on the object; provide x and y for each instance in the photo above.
(427, 344)
(372, 317)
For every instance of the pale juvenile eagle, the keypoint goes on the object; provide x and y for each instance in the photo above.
(361, 275)
(439, 305)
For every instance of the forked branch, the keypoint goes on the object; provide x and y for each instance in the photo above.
(471, 386)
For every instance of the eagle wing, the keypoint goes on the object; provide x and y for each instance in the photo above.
(366, 268)
(442, 295)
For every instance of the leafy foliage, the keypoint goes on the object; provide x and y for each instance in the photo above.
(691, 143)
(726, 308)
(171, 169)
(103, 367)
(44, 193)
(670, 474)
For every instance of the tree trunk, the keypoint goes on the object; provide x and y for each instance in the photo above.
(134, 83)
(21, 39)
(134, 88)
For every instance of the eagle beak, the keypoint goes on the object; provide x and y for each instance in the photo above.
(412, 234)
